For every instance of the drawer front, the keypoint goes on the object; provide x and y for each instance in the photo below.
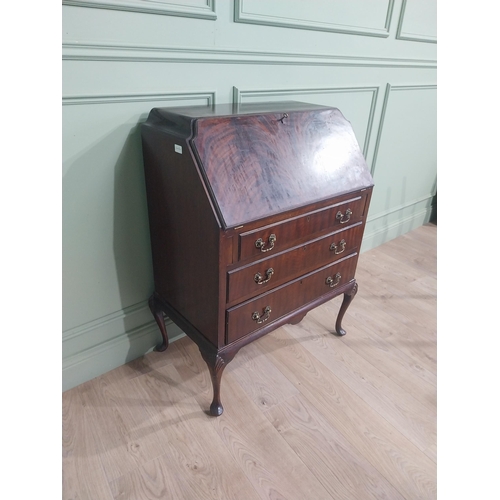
(275, 238)
(256, 313)
(248, 281)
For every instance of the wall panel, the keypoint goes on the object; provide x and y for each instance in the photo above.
(121, 58)
(404, 164)
(354, 17)
(203, 9)
(106, 253)
(418, 21)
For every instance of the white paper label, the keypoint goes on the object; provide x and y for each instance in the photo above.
(178, 149)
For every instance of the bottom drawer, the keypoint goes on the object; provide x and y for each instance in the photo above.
(266, 308)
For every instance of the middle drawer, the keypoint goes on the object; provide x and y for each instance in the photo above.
(248, 281)
(260, 311)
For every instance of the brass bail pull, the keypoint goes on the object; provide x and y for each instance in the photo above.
(260, 319)
(259, 279)
(343, 218)
(261, 244)
(335, 248)
(331, 282)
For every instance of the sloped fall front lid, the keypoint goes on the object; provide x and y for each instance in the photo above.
(267, 158)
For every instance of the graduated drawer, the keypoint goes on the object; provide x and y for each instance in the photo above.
(268, 307)
(255, 278)
(282, 235)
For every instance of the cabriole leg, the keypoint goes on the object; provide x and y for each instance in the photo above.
(157, 311)
(216, 363)
(348, 296)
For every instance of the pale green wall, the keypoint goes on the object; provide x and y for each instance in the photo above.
(373, 59)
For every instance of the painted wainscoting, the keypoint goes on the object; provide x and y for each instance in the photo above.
(373, 59)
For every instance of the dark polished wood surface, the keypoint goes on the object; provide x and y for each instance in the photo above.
(184, 114)
(302, 228)
(292, 263)
(185, 273)
(256, 216)
(288, 297)
(285, 162)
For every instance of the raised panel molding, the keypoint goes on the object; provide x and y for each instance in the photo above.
(393, 210)
(107, 355)
(106, 342)
(204, 10)
(240, 95)
(406, 34)
(134, 311)
(401, 206)
(243, 14)
(206, 98)
(396, 223)
(391, 88)
(94, 335)
(76, 51)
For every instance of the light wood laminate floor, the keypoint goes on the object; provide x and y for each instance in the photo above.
(308, 415)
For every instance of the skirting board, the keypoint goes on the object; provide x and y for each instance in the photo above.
(107, 356)
(375, 238)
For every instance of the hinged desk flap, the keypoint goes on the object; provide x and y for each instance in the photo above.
(262, 164)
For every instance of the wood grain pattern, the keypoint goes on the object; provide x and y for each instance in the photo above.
(415, 421)
(312, 415)
(424, 261)
(339, 467)
(267, 462)
(154, 480)
(314, 155)
(184, 274)
(421, 318)
(411, 340)
(82, 472)
(124, 438)
(188, 468)
(284, 299)
(302, 228)
(266, 386)
(292, 263)
(408, 469)
(395, 364)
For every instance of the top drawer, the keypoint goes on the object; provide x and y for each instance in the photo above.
(267, 240)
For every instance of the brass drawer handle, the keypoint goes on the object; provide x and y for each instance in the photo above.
(259, 279)
(331, 282)
(256, 316)
(341, 244)
(344, 218)
(261, 244)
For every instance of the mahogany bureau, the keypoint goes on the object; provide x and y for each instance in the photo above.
(256, 216)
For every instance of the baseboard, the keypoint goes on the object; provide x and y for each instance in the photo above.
(98, 359)
(377, 232)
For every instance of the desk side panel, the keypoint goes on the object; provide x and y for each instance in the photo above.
(184, 231)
